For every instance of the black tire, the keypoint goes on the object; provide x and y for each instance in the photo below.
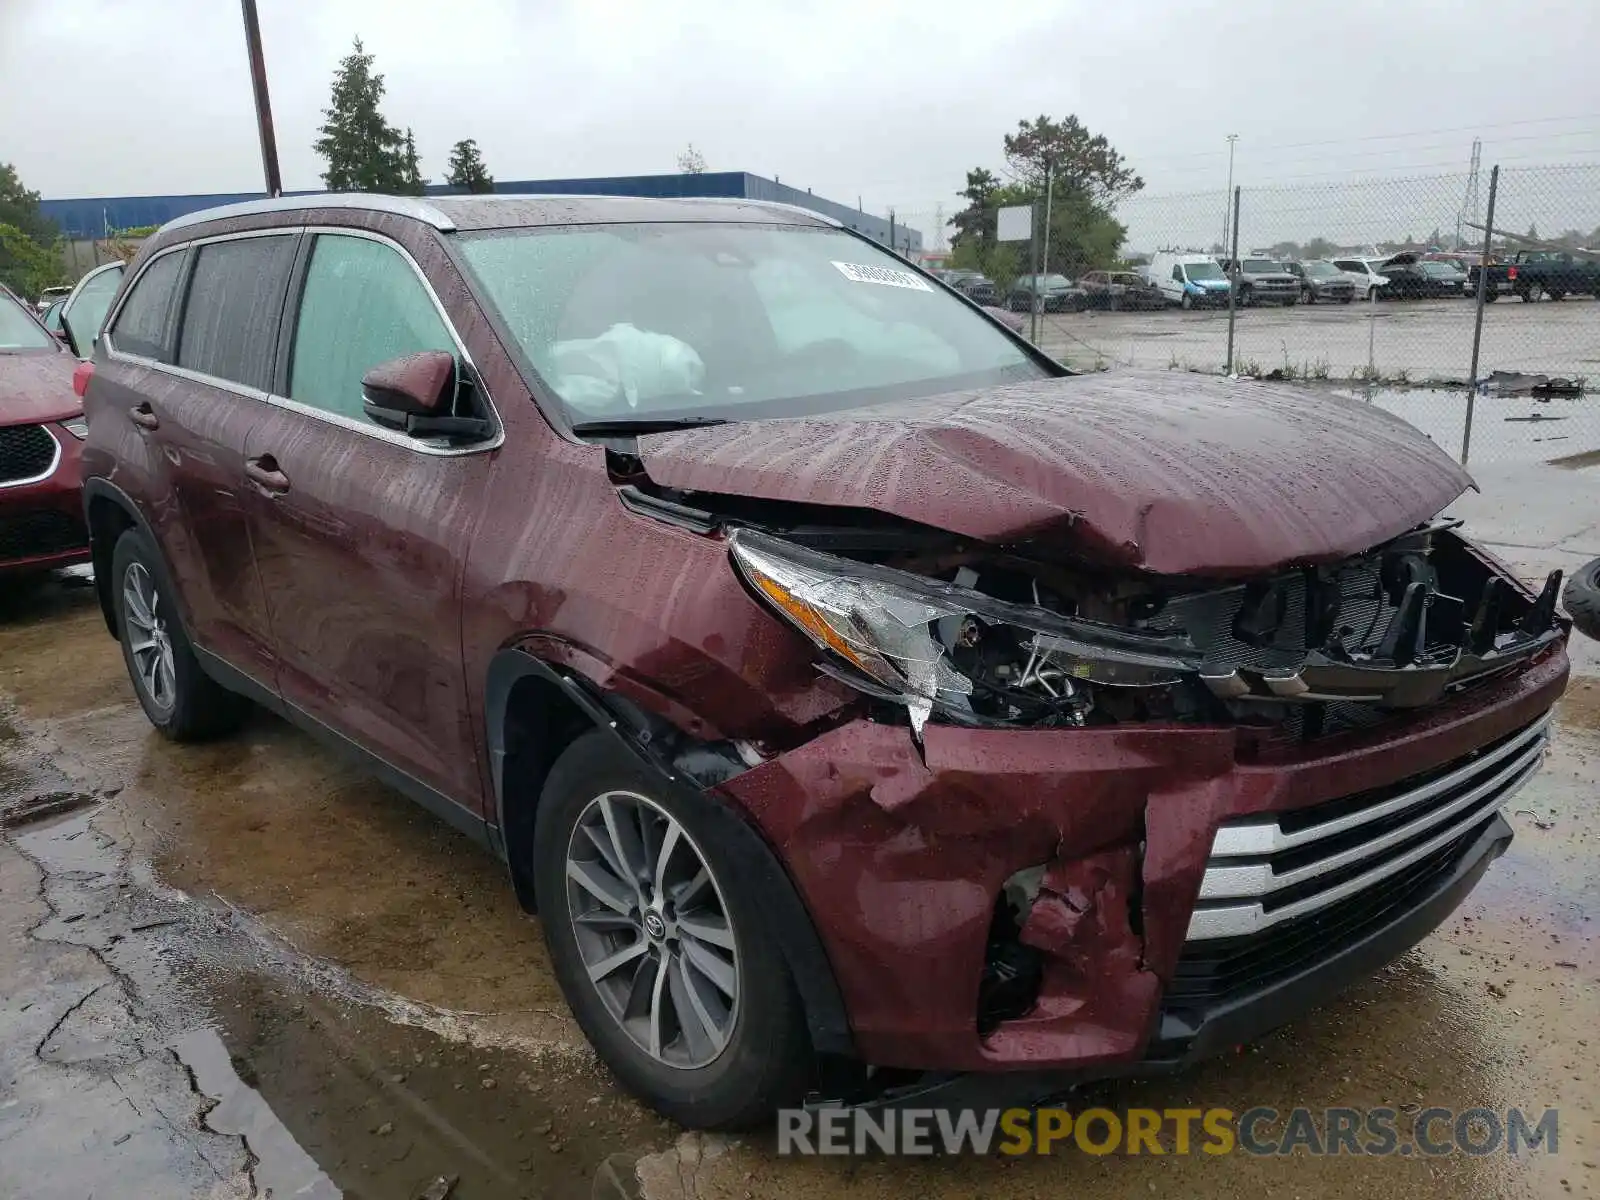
(1582, 598)
(195, 706)
(1308, 296)
(1555, 293)
(1490, 295)
(766, 1060)
(1350, 299)
(1528, 294)
(1186, 303)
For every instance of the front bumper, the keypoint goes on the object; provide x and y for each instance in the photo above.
(41, 523)
(900, 856)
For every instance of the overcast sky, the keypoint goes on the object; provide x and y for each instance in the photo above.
(886, 99)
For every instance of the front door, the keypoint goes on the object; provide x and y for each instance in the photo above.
(361, 533)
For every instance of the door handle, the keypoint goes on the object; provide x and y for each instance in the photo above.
(264, 473)
(144, 417)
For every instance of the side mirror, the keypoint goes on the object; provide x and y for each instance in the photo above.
(416, 394)
(60, 334)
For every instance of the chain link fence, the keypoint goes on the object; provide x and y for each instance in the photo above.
(1383, 299)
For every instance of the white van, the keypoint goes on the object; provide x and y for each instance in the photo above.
(1189, 280)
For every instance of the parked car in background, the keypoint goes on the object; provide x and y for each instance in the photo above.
(41, 436)
(1189, 280)
(979, 720)
(1264, 281)
(1115, 290)
(1534, 273)
(1364, 274)
(50, 318)
(84, 310)
(48, 296)
(1411, 279)
(974, 285)
(1321, 282)
(1048, 293)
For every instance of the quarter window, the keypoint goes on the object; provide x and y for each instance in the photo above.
(141, 327)
(362, 305)
(230, 320)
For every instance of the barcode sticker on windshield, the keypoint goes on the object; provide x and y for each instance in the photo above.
(861, 273)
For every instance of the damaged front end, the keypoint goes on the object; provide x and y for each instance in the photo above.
(989, 639)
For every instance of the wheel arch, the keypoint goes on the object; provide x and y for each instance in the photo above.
(534, 710)
(109, 512)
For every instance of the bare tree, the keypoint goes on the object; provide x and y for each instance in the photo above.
(691, 161)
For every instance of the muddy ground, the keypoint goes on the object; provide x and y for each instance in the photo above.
(245, 969)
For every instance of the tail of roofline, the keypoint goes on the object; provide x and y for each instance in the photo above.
(97, 217)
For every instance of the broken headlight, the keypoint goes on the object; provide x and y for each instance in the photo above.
(932, 645)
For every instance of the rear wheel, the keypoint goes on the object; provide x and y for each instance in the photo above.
(1529, 294)
(659, 944)
(180, 699)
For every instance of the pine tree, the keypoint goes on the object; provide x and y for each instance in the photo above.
(411, 181)
(363, 151)
(466, 168)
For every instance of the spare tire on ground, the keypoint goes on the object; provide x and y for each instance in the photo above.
(1582, 598)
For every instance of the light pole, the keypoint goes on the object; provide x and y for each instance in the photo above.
(258, 82)
(1227, 202)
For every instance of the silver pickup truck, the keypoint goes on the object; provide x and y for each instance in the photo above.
(1263, 281)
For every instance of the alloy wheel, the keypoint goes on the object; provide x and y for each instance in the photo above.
(652, 929)
(149, 639)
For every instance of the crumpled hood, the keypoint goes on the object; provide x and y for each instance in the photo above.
(36, 386)
(1169, 473)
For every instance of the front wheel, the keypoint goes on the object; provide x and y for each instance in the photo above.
(1244, 298)
(1187, 302)
(660, 946)
(1308, 296)
(181, 700)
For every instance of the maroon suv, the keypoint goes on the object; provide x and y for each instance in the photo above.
(41, 431)
(845, 682)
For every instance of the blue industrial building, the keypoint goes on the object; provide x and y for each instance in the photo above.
(94, 218)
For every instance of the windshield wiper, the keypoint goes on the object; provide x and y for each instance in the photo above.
(632, 427)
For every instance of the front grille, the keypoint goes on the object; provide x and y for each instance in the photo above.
(1211, 972)
(1265, 873)
(26, 452)
(37, 534)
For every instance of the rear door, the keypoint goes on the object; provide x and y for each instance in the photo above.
(360, 532)
(191, 351)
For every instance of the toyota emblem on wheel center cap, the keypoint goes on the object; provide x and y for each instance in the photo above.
(655, 926)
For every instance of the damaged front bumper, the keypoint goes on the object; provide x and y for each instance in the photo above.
(903, 857)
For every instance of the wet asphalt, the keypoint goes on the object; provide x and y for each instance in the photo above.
(244, 969)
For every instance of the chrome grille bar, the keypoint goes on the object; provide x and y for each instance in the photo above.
(1249, 839)
(1235, 896)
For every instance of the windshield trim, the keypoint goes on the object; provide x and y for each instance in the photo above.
(562, 416)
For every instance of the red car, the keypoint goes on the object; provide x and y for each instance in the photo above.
(41, 436)
(846, 683)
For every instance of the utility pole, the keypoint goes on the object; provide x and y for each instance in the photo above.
(1227, 203)
(258, 81)
(1049, 196)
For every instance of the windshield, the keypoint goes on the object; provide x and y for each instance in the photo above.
(1321, 270)
(730, 321)
(1260, 266)
(19, 331)
(1056, 281)
(1203, 270)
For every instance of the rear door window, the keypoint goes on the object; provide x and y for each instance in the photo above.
(230, 319)
(363, 304)
(144, 323)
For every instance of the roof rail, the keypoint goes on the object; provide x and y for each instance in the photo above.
(403, 206)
